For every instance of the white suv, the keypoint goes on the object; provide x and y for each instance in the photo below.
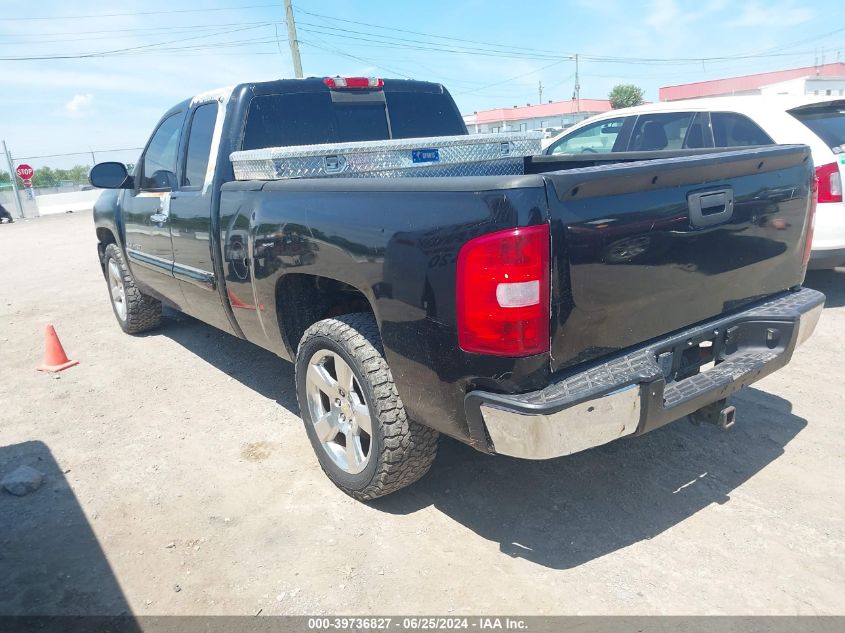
(734, 122)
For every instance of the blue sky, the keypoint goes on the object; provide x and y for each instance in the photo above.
(495, 54)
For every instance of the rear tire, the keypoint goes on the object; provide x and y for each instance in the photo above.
(135, 311)
(345, 389)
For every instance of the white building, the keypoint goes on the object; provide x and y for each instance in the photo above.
(826, 79)
(554, 114)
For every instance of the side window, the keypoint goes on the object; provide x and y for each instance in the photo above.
(199, 145)
(736, 130)
(665, 130)
(591, 139)
(698, 133)
(159, 161)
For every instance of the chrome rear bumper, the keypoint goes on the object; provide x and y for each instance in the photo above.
(631, 394)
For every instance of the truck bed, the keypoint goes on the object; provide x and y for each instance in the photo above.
(629, 263)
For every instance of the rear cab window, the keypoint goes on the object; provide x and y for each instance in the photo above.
(199, 146)
(731, 129)
(321, 116)
(827, 121)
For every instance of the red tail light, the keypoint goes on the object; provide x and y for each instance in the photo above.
(342, 83)
(811, 219)
(503, 293)
(830, 183)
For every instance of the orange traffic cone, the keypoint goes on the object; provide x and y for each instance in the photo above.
(55, 358)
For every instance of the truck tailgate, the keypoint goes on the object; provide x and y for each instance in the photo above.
(643, 249)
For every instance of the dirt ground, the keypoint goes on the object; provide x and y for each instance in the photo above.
(178, 483)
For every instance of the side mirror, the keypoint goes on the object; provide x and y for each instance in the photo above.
(110, 176)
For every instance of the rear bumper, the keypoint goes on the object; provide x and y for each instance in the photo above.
(631, 395)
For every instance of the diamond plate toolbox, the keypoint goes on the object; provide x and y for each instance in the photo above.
(474, 155)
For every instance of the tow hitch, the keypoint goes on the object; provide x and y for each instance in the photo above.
(716, 413)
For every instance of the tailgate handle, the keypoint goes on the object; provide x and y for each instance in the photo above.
(710, 207)
(334, 164)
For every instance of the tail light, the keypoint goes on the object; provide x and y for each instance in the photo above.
(830, 183)
(811, 219)
(503, 293)
(342, 83)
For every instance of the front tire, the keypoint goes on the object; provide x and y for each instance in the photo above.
(135, 311)
(352, 413)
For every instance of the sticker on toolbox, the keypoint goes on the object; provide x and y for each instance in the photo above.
(430, 155)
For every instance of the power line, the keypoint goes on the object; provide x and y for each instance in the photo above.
(115, 33)
(96, 151)
(499, 83)
(388, 42)
(120, 15)
(443, 37)
(359, 59)
(117, 51)
(547, 53)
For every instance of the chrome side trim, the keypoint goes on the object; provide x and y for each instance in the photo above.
(152, 262)
(577, 428)
(197, 276)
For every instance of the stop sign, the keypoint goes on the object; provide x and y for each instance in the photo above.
(25, 172)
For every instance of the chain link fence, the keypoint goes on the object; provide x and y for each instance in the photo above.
(60, 183)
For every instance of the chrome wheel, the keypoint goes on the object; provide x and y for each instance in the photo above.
(339, 411)
(118, 292)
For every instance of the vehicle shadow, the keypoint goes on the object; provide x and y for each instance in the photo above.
(565, 512)
(557, 513)
(51, 561)
(249, 364)
(831, 283)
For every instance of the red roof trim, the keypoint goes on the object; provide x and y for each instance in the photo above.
(542, 110)
(732, 85)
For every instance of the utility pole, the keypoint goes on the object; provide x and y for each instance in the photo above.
(540, 88)
(93, 158)
(14, 178)
(294, 43)
(577, 87)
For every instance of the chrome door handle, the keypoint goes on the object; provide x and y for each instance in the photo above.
(158, 218)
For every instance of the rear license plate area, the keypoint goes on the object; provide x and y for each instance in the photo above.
(690, 357)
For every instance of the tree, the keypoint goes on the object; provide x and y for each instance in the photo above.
(625, 96)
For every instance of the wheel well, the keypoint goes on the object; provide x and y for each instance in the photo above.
(104, 238)
(302, 300)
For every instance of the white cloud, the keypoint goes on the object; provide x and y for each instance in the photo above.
(773, 16)
(79, 105)
(664, 13)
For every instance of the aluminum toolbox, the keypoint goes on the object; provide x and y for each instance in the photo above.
(468, 155)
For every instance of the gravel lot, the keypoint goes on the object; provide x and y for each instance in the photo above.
(177, 483)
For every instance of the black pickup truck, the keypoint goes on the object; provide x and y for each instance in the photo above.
(534, 315)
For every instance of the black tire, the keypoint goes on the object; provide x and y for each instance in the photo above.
(143, 312)
(401, 451)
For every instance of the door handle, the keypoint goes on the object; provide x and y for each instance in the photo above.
(162, 214)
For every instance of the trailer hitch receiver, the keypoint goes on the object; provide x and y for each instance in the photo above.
(717, 413)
